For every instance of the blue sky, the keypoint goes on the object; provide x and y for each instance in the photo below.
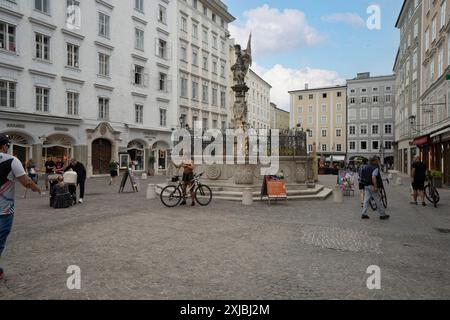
(316, 41)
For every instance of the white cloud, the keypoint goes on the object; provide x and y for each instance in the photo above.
(275, 31)
(284, 79)
(352, 19)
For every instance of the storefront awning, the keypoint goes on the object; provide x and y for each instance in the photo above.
(335, 158)
(440, 132)
(420, 141)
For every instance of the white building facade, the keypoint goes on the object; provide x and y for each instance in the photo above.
(258, 101)
(92, 80)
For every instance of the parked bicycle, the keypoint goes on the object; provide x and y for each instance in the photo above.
(383, 197)
(431, 192)
(172, 195)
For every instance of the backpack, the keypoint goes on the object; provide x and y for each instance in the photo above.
(5, 170)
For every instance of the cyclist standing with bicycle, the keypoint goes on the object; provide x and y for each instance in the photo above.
(418, 177)
(371, 178)
(188, 177)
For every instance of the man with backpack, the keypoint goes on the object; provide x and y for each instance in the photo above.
(371, 178)
(11, 169)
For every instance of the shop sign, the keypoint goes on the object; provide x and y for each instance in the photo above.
(61, 129)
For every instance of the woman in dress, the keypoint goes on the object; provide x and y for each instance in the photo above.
(113, 168)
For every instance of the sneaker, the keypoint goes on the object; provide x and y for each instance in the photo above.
(80, 201)
(365, 216)
(424, 204)
(2, 274)
(385, 217)
(183, 203)
(192, 204)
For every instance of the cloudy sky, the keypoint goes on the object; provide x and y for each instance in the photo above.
(319, 42)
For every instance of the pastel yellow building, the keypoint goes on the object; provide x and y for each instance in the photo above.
(322, 112)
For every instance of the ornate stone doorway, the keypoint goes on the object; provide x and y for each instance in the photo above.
(101, 156)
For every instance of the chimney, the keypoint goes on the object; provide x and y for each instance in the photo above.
(306, 86)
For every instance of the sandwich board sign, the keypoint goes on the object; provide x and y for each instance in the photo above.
(128, 174)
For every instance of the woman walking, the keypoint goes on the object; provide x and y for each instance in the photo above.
(113, 171)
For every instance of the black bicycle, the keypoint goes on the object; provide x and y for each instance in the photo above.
(383, 197)
(431, 192)
(172, 195)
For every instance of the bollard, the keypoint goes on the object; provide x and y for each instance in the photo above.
(144, 176)
(399, 181)
(151, 192)
(247, 197)
(337, 194)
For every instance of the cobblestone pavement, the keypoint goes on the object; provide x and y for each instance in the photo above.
(131, 248)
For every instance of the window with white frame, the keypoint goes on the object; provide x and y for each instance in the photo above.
(184, 86)
(352, 130)
(222, 99)
(73, 18)
(339, 147)
(388, 112)
(194, 89)
(42, 5)
(338, 132)
(73, 103)
(427, 39)
(443, 4)
(73, 55)
(205, 62)
(7, 94)
(184, 24)
(214, 101)
(222, 69)
(310, 120)
(103, 25)
(103, 108)
(324, 147)
(363, 100)
(162, 82)
(7, 36)
(388, 145)
(42, 99)
(162, 117)
(194, 57)
(139, 39)
(183, 54)
(162, 15)
(363, 129)
(162, 48)
(387, 129)
(139, 5)
(205, 90)
(352, 145)
(363, 145)
(214, 67)
(205, 123)
(205, 36)
(42, 46)
(324, 119)
(352, 114)
(324, 108)
(440, 60)
(338, 119)
(375, 128)
(375, 113)
(375, 145)
(310, 109)
(324, 132)
(352, 100)
(195, 30)
(138, 113)
(363, 113)
(433, 28)
(310, 147)
(339, 107)
(375, 99)
(103, 64)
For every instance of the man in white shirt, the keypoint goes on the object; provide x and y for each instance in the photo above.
(11, 169)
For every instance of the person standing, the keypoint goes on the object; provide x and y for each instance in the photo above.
(418, 177)
(79, 168)
(49, 168)
(188, 177)
(32, 174)
(360, 184)
(371, 178)
(113, 171)
(11, 169)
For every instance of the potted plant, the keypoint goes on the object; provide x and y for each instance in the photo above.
(437, 175)
(151, 163)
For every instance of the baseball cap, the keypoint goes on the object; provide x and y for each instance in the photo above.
(4, 139)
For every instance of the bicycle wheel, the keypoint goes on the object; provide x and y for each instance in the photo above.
(203, 195)
(432, 195)
(428, 193)
(383, 197)
(373, 204)
(170, 196)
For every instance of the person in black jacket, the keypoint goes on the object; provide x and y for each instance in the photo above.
(79, 168)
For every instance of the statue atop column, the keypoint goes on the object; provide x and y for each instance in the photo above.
(240, 70)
